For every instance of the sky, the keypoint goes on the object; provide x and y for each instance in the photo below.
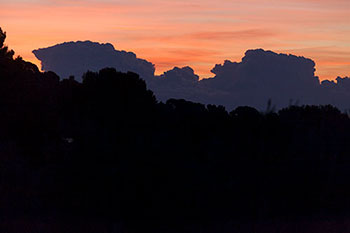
(196, 33)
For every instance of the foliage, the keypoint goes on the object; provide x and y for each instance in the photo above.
(105, 148)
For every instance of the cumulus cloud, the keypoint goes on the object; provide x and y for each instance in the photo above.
(265, 75)
(75, 58)
(337, 92)
(266, 69)
(180, 77)
(260, 77)
(180, 83)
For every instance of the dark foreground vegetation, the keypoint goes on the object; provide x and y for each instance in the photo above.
(105, 151)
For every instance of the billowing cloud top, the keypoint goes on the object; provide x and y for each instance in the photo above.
(260, 77)
(180, 76)
(180, 83)
(265, 69)
(75, 58)
(265, 75)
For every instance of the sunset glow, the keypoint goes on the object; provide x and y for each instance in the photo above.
(199, 33)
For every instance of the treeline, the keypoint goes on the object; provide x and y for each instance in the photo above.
(106, 149)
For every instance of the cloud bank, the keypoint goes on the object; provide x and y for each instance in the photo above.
(75, 58)
(260, 77)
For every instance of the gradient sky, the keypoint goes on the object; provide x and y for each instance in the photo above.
(198, 33)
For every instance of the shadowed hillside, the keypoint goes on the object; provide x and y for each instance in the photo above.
(104, 154)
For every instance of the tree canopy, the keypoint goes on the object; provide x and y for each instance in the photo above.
(106, 150)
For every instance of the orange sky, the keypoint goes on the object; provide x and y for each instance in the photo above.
(198, 33)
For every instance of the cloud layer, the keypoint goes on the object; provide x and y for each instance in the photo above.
(261, 76)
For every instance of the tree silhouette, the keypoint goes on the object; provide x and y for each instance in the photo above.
(5, 53)
(106, 151)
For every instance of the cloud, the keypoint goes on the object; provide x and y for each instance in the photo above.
(264, 75)
(75, 58)
(180, 76)
(265, 69)
(179, 83)
(260, 76)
